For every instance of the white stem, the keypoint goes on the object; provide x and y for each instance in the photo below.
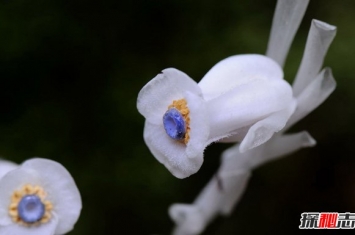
(225, 189)
(319, 39)
(189, 219)
(218, 197)
(287, 18)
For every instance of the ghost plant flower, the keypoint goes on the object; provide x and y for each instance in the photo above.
(38, 197)
(236, 99)
(311, 87)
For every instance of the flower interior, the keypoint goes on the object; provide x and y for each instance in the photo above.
(28, 206)
(177, 121)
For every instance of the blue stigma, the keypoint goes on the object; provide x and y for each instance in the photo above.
(31, 209)
(174, 124)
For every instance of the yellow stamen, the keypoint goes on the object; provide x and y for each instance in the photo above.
(181, 105)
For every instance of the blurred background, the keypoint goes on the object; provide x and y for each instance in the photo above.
(70, 74)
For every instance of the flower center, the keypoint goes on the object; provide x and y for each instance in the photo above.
(29, 207)
(174, 124)
(176, 121)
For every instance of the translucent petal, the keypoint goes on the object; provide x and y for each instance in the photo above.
(233, 159)
(6, 166)
(263, 130)
(43, 229)
(319, 39)
(171, 153)
(155, 97)
(238, 70)
(188, 218)
(61, 189)
(236, 135)
(313, 95)
(277, 146)
(281, 145)
(199, 125)
(246, 105)
(287, 18)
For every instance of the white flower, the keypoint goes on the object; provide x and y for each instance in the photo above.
(311, 87)
(39, 197)
(242, 97)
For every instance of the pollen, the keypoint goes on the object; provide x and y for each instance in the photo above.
(181, 106)
(29, 206)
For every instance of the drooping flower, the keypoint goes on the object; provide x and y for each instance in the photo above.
(237, 99)
(311, 87)
(38, 197)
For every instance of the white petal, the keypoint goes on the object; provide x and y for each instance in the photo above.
(246, 105)
(281, 145)
(188, 218)
(43, 229)
(236, 135)
(12, 181)
(199, 126)
(238, 70)
(263, 130)
(313, 95)
(276, 147)
(155, 97)
(6, 166)
(287, 18)
(171, 153)
(233, 159)
(62, 191)
(319, 39)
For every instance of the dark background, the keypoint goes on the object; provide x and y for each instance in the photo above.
(70, 73)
